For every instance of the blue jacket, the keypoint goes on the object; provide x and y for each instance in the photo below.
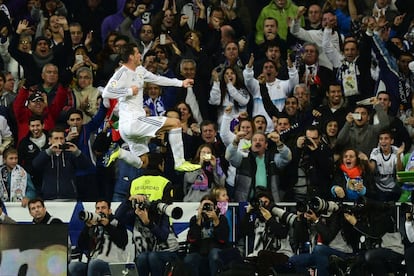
(59, 173)
(84, 142)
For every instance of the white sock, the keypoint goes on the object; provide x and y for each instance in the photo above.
(130, 158)
(177, 147)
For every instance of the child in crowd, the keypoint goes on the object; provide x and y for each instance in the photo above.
(220, 194)
(15, 183)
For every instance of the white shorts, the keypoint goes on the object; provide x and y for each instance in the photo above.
(138, 132)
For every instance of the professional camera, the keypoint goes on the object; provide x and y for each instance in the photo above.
(256, 204)
(158, 207)
(284, 216)
(208, 207)
(171, 211)
(90, 216)
(141, 205)
(317, 205)
(364, 207)
(64, 146)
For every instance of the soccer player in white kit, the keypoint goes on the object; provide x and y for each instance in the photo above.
(127, 85)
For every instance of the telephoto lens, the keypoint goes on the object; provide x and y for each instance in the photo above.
(89, 216)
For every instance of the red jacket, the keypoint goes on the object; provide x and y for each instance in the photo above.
(50, 114)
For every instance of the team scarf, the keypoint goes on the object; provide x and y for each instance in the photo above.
(18, 184)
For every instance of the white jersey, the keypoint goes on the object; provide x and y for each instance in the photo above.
(135, 128)
(119, 87)
(278, 91)
(385, 178)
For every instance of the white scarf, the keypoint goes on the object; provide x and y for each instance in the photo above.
(18, 184)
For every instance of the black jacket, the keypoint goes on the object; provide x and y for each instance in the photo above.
(219, 235)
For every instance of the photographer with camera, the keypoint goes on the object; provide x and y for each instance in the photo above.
(311, 167)
(104, 239)
(208, 235)
(59, 163)
(322, 223)
(271, 248)
(381, 251)
(154, 239)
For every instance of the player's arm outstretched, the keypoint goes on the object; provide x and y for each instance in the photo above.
(116, 87)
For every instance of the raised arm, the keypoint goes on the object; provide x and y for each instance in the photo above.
(333, 54)
(226, 135)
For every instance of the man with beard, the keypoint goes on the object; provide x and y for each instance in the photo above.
(335, 107)
(260, 168)
(30, 146)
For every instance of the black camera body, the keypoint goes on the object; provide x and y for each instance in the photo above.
(317, 205)
(256, 204)
(208, 207)
(64, 146)
(308, 142)
(141, 205)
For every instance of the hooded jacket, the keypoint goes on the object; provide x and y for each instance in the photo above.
(59, 181)
(113, 22)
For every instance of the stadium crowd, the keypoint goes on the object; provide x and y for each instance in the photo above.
(263, 101)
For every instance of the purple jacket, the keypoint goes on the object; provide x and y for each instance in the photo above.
(112, 22)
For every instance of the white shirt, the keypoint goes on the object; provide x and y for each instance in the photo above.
(119, 87)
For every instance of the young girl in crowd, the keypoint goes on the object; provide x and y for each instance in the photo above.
(228, 89)
(15, 183)
(352, 176)
(220, 194)
(199, 183)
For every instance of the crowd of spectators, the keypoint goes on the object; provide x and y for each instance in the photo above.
(301, 99)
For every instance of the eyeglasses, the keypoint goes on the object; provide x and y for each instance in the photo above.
(146, 31)
(25, 42)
